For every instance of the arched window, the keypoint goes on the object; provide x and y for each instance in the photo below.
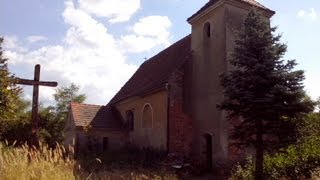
(147, 116)
(206, 30)
(207, 43)
(130, 120)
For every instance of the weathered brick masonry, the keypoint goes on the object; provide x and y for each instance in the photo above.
(180, 124)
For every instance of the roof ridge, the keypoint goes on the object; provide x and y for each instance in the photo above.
(256, 3)
(210, 3)
(76, 103)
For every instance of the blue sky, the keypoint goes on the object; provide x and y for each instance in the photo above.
(98, 44)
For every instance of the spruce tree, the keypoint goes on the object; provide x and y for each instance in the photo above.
(262, 91)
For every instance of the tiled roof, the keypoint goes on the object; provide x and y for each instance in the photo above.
(94, 115)
(154, 73)
(256, 3)
(212, 2)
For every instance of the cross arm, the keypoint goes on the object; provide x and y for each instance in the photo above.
(33, 82)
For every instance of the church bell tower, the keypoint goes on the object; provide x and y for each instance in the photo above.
(212, 36)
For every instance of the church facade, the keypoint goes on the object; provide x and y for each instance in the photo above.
(170, 102)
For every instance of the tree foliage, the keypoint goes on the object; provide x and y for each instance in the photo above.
(53, 118)
(297, 161)
(10, 103)
(64, 96)
(18, 129)
(262, 89)
(9, 92)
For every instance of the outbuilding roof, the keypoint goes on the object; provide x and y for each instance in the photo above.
(94, 115)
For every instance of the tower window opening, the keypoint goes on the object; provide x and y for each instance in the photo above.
(207, 29)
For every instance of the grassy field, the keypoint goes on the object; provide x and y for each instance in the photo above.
(44, 163)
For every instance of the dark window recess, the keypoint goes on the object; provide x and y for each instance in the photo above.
(207, 29)
(105, 143)
(208, 141)
(130, 120)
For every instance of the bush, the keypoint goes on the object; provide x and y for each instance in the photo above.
(296, 161)
(300, 160)
(315, 174)
(243, 172)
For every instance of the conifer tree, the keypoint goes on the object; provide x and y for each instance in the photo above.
(263, 91)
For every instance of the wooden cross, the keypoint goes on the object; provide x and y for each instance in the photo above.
(35, 83)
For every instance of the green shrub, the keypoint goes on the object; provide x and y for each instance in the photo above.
(300, 160)
(296, 161)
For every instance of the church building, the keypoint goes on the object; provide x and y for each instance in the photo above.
(170, 102)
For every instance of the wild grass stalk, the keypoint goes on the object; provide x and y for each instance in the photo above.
(44, 163)
(30, 163)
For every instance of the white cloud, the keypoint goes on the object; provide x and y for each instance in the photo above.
(115, 10)
(135, 44)
(12, 42)
(308, 15)
(13, 56)
(89, 55)
(34, 38)
(153, 26)
(147, 33)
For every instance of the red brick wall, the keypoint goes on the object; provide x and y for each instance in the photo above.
(180, 124)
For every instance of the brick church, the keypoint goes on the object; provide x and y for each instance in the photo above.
(170, 101)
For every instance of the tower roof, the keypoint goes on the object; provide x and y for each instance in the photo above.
(253, 3)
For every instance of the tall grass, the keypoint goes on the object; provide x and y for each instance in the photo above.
(30, 163)
(25, 163)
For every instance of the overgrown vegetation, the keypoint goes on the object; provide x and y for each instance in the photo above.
(302, 158)
(127, 157)
(46, 163)
(10, 102)
(17, 128)
(298, 161)
(28, 163)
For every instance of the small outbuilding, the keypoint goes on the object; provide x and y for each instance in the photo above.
(93, 128)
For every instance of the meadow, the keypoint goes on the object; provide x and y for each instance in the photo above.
(25, 163)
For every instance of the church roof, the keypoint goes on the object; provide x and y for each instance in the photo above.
(154, 73)
(212, 2)
(95, 115)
